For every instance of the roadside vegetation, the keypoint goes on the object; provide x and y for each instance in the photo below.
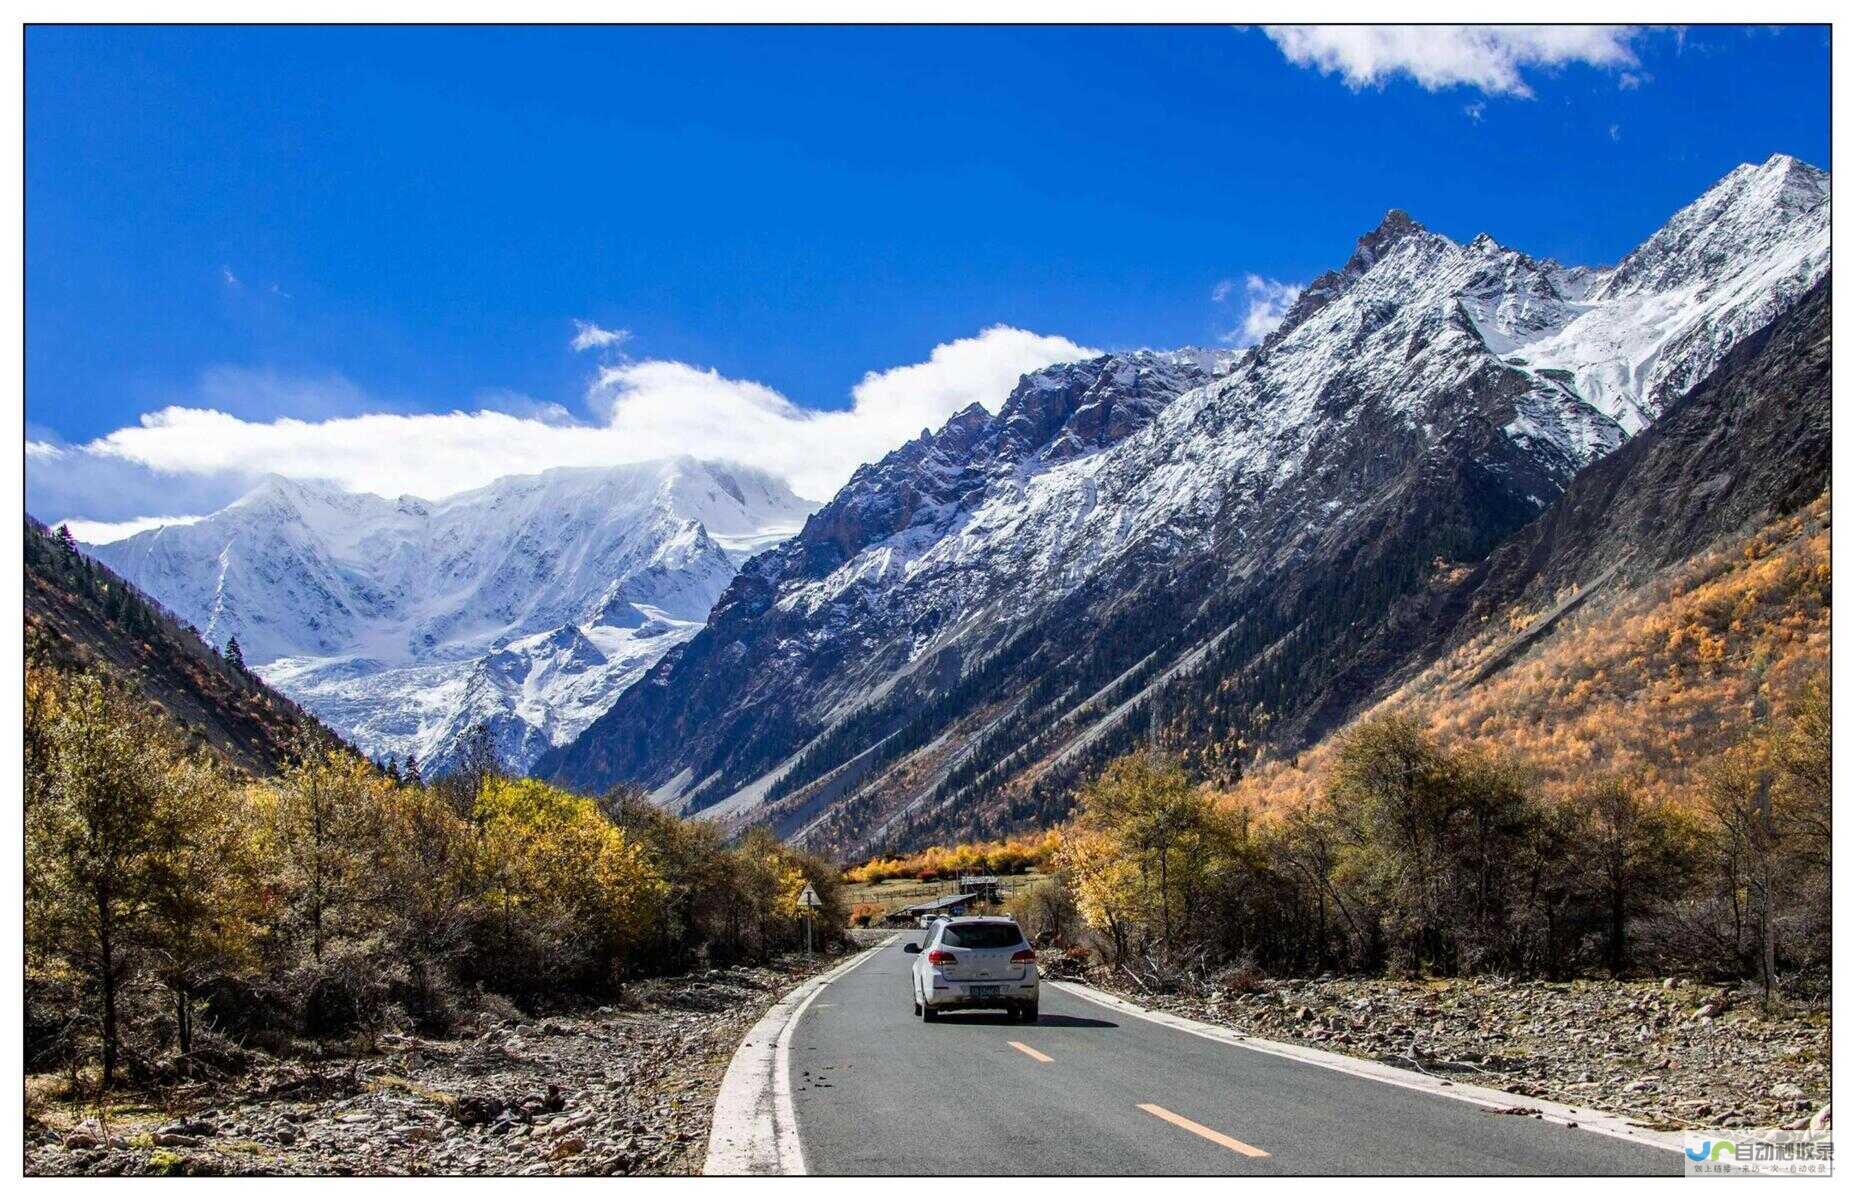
(1418, 856)
(180, 915)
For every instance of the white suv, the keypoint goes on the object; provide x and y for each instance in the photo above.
(975, 962)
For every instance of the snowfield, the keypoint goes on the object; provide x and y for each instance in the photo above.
(529, 604)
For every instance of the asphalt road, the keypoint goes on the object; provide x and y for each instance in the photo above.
(1088, 1090)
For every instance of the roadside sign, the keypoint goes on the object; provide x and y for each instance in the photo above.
(809, 898)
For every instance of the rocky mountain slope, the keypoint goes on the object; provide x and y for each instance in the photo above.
(81, 616)
(1748, 444)
(981, 616)
(1635, 619)
(527, 605)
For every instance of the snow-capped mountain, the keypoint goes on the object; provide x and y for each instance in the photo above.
(528, 604)
(971, 619)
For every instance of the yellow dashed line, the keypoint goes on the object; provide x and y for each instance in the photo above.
(1210, 1135)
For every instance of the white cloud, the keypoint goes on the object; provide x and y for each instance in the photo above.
(588, 336)
(1474, 110)
(894, 405)
(66, 481)
(231, 280)
(1616, 133)
(99, 533)
(647, 409)
(1491, 58)
(1221, 291)
(1267, 301)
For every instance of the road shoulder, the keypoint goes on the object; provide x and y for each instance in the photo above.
(755, 1131)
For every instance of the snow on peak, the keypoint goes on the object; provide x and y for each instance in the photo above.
(405, 622)
(1629, 339)
(1747, 214)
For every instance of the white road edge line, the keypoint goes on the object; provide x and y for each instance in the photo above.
(755, 1131)
(1584, 1118)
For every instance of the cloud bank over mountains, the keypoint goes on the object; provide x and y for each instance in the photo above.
(187, 459)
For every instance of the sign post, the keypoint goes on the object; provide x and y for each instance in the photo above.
(808, 900)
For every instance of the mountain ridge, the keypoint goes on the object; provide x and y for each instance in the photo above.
(81, 616)
(1421, 403)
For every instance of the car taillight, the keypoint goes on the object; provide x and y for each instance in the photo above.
(941, 958)
(1026, 955)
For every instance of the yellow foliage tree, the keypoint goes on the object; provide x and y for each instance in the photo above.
(567, 892)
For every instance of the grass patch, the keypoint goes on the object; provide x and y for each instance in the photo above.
(166, 1162)
(395, 1083)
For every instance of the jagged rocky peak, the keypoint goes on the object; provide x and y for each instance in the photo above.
(1394, 228)
(1750, 211)
(1072, 409)
(1331, 285)
(1054, 414)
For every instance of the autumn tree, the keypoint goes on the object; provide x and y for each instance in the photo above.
(1768, 796)
(325, 826)
(207, 896)
(1637, 851)
(567, 893)
(427, 897)
(94, 824)
(1142, 850)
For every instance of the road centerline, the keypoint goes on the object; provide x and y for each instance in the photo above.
(1039, 1055)
(1205, 1132)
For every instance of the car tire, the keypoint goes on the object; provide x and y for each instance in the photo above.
(928, 1013)
(917, 1004)
(1027, 1013)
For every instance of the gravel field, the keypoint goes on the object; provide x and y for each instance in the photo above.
(1670, 1054)
(614, 1091)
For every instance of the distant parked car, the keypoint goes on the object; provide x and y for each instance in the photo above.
(975, 962)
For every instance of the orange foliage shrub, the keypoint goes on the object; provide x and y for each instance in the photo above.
(1008, 856)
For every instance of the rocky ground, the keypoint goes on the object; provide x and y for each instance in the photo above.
(1670, 1055)
(616, 1091)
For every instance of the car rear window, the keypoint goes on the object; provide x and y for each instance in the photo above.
(989, 936)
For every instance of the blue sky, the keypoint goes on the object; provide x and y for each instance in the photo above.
(319, 224)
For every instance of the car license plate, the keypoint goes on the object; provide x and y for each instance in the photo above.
(983, 993)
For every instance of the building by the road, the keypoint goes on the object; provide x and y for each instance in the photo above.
(984, 887)
(945, 906)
